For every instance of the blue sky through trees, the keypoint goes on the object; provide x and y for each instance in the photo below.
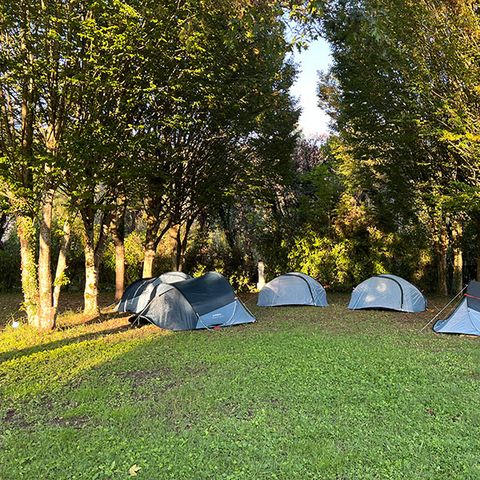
(313, 121)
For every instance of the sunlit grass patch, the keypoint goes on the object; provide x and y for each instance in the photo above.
(303, 393)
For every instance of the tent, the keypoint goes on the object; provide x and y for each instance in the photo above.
(139, 293)
(196, 303)
(389, 292)
(466, 317)
(292, 289)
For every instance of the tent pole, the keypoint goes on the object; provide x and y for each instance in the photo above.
(438, 314)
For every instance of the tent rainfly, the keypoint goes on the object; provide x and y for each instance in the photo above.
(466, 317)
(196, 303)
(292, 289)
(387, 292)
(139, 293)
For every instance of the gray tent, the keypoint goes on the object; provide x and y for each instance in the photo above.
(466, 317)
(196, 303)
(139, 293)
(292, 289)
(389, 292)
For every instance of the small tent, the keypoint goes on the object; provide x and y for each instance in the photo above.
(389, 292)
(139, 293)
(292, 289)
(196, 303)
(466, 317)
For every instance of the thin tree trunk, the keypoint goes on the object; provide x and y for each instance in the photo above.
(90, 296)
(93, 257)
(26, 235)
(152, 240)
(119, 268)
(148, 260)
(46, 312)
(457, 281)
(178, 249)
(118, 235)
(441, 254)
(61, 264)
(150, 249)
(181, 244)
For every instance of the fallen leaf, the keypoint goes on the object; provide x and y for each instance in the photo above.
(134, 469)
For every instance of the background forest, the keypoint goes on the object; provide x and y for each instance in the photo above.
(139, 137)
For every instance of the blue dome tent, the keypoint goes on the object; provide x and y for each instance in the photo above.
(466, 317)
(387, 292)
(292, 289)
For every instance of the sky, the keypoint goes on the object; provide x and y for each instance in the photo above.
(313, 120)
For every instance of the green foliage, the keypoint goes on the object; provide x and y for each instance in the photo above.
(362, 394)
(10, 265)
(402, 92)
(211, 251)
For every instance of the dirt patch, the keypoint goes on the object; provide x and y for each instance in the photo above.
(140, 377)
(14, 418)
(76, 422)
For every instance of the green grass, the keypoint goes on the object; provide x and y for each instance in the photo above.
(304, 393)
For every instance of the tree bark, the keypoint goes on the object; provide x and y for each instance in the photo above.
(181, 244)
(441, 254)
(90, 296)
(148, 261)
(93, 257)
(150, 249)
(119, 268)
(61, 264)
(457, 281)
(178, 250)
(153, 238)
(26, 235)
(46, 312)
(118, 235)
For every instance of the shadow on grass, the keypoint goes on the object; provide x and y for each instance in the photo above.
(47, 346)
(82, 320)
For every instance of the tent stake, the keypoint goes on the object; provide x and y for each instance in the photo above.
(438, 314)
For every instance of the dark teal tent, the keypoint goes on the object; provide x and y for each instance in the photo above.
(196, 303)
(139, 293)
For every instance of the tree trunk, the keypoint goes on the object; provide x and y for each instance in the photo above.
(61, 264)
(261, 276)
(181, 244)
(178, 250)
(457, 282)
(117, 228)
(441, 254)
(150, 250)
(148, 261)
(46, 313)
(26, 235)
(93, 257)
(119, 268)
(152, 240)
(90, 296)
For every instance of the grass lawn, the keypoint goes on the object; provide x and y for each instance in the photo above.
(305, 393)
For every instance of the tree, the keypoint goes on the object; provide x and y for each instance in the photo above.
(398, 83)
(222, 72)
